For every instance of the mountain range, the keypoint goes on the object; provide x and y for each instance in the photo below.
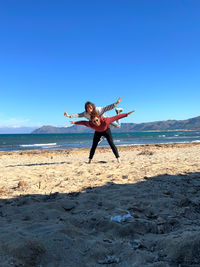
(169, 125)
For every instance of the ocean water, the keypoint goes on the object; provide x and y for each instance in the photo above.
(14, 142)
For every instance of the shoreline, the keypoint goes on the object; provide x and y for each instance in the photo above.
(105, 148)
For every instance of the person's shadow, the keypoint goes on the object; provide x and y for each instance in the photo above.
(155, 222)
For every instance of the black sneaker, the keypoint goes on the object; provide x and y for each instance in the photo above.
(118, 110)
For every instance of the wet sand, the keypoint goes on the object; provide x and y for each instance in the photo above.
(57, 210)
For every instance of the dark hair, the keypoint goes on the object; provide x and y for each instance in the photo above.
(94, 116)
(94, 112)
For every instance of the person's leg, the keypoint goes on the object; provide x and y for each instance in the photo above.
(109, 138)
(96, 138)
(118, 111)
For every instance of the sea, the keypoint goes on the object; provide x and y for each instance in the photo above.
(17, 142)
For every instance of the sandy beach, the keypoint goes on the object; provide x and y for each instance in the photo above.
(57, 210)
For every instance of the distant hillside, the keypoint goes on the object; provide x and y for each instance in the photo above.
(169, 125)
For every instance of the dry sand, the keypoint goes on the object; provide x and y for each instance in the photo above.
(57, 210)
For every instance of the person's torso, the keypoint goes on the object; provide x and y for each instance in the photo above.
(99, 112)
(103, 127)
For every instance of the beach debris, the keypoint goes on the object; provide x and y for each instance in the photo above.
(109, 260)
(39, 184)
(120, 218)
(146, 153)
(3, 190)
(22, 184)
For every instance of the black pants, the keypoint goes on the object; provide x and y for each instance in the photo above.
(108, 135)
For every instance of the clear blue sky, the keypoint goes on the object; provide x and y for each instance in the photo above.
(56, 55)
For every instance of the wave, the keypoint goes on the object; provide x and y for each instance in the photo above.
(39, 145)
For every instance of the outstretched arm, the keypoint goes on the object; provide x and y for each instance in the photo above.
(101, 111)
(75, 115)
(85, 123)
(118, 117)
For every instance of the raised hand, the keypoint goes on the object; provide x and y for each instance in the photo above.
(130, 112)
(66, 114)
(119, 100)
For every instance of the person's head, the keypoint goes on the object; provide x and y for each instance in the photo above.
(95, 119)
(89, 107)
